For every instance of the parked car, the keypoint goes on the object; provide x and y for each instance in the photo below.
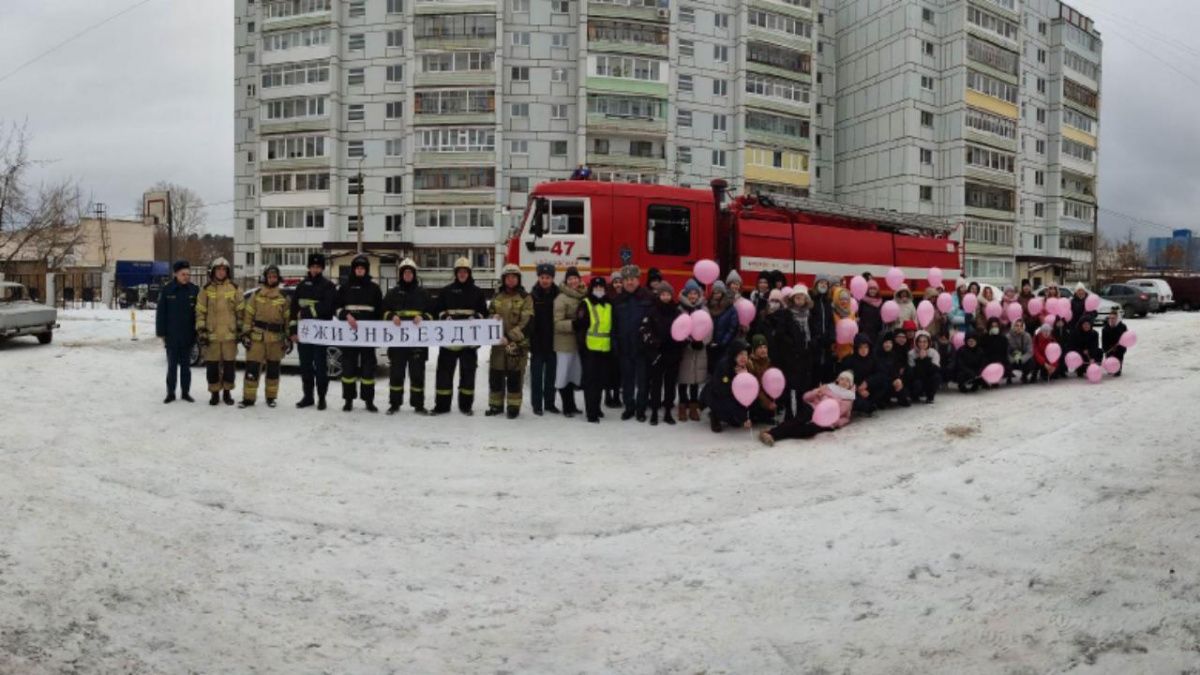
(1166, 297)
(20, 315)
(1135, 301)
(1106, 306)
(1186, 292)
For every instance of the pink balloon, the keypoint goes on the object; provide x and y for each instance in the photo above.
(993, 373)
(858, 288)
(681, 328)
(1035, 306)
(745, 389)
(745, 311)
(1112, 365)
(853, 306)
(925, 313)
(1095, 373)
(934, 276)
(993, 310)
(970, 303)
(1074, 360)
(1014, 311)
(1053, 352)
(1092, 303)
(945, 303)
(706, 271)
(1065, 311)
(958, 339)
(895, 278)
(826, 413)
(702, 325)
(773, 382)
(1128, 339)
(891, 311)
(846, 330)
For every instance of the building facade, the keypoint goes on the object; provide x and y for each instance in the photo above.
(452, 110)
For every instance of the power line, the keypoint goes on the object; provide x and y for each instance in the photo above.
(74, 37)
(1136, 220)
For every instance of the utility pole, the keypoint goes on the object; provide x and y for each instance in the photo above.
(170, 231)
(360, 191)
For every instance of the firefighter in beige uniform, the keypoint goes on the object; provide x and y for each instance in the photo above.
(218, 325)
(265, 326)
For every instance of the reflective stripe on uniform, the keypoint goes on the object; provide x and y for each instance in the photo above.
(348, 380)
(359, 308)
(364, 380)
(444, 392)
(468, 392)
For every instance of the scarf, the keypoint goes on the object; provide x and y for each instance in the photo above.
(841, 303)
(875, 302)
(838, 392)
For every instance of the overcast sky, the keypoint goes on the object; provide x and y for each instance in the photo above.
(149, 97)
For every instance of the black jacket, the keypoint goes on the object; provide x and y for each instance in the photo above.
(628, 311)
(175, 318)
(970, 363)
(359, 297)
(542, 339)
(865, 368)
(406, 301)
(870, 320)
(787, 345)
(312, 299)
(718, 393)
(659, 346)
(887, 364)
(459, 301)
(995, 348)
(820, 321)
(1110, 338)
(1087, 343)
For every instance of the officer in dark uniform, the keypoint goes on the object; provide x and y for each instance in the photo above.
(406, 301)
(458, 301)
(313, 299)
(359, 299)
(175, 323)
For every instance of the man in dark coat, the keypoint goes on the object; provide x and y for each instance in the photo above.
(1087, 343)
(628, 312)
(542, 360)
(458, 301)
(821, 333)
(1110, 339)
(406, 301)
(865, 367)
(175, 324)
(787, 346)
(663, 353)
(889, 384)
(971, 361)
(359, 299)
(313, 299)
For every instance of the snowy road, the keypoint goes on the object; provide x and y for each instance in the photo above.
(1035, 529)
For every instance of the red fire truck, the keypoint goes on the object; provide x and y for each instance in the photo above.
(598, 227)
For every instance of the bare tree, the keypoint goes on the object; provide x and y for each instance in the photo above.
(39, 224)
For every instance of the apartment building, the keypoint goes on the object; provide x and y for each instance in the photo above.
(452, 110)
(983, 112)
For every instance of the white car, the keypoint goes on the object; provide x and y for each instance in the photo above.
(20, 315)
(1166, 298)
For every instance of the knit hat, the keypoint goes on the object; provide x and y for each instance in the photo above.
(733, 278)
(738, 345)
(718, 287)
(598, 282)
(182, 265)
(909, 325)
(1080, 287)
(861, 339)
(758, 341)
(848, 374)
(925, 334)
(889, 336)
(775, 296)
(664, 287)
(903, 289)
(692, 285)
(546, 269)
(572, 272)
(653, 275)
(631, 272)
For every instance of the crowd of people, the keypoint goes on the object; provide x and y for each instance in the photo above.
(611, 339)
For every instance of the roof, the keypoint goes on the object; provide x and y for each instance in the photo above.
(595, 188)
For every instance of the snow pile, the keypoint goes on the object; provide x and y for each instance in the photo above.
(1032, 529)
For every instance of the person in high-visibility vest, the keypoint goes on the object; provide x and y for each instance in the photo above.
(594, 323)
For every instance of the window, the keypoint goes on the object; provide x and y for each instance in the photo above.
(927, 15)
(988, 123)
(988, 232)
(990, 86)
(250, 27)
(249, 226)
(454, 101)
(720, 87)
(518, 184)
(687, 14)
(301, 182)
(928, 46)
(519, 110)
(1081, 65)
(1038, 240)
(777, 159)
(519, 73)
(926, 193)
(720, 20)
(987, 197)
(559, 40)
(683, 154)
(1041, 115)
(1073, 91)
(720, 53)
(991, 23)
(600, 146)
(986, 158)
(558, 148)
(558, 74)
(1039, 177)
(1078, 210)
(251, 58)
(393, 185)
(395, 38)
(641, 149)
(926, 119)
(1074, 118)
(395, 6)
(445, 62)
(305, 37)
(353, 186)
(356, 42)
(295, 147)
(454, 179)
(1041, 85)
(774, 87)
(1040, 147)
(685, 82)
(927, 82)
(1078, 150)
(779, 125)
(990, 55)
(560, 6)
(926, 156)
(683, 118)
(357, 8)
(631, 107)
(558, 111)
(520, 39)
(352, 223)
(779, 57)
(720, 123)
(394, 147)
(355, 149)
(443, 26)
(1042, 27)
(355, 76)
(718, 158)
(393, 222)
(292, 108)
(1039, 211)
(668, 230)
(518, 147)
(394, 110)
(520, 6)
(628, 67)
(456, 139)
(251, 90)
(779, 23)
(687, 48)
(356, 112)
(291, 219)
(291, 74)
(980, 268)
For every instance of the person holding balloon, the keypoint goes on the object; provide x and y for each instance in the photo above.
(787, 346)
(723, 406)
(1047, 354)
(725, 323)
(764, 408)
(970, 365)
(825, 408)
(865, 367)
(925, 364)
(1087, 345)
(889, 385)
(1110, 338)
(870, 319)
(904, 302)
(693, 364)
(995, 344)
(845, 323)
(664, 351)
(1020, 353)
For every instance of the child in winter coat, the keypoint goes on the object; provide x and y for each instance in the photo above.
(1046, 370)
(723, 408)
(763, 409)
(908, 311)
(693, 365)
(1110, 339)
(1087, 343)
(1020, 353)
(970, 366)
(725, 323)
(995, 346)
(900, 351)
(926, 365)
(663, 353)
(842, 311)
(842, 391)
(870, 318)
(865, 367)
(947, 355)
(888, 385)
(821, 334)
(787, 346)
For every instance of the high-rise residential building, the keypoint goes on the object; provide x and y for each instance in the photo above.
(984, 112)
(452, 110)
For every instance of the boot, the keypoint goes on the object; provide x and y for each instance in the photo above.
(321, 403)
(188, 398)
(214, 398)
(305, 402)
(227, 397)
(667, 419)
(371, 406)
(513, 412)
(393, 409)
(714, 423)
(493, 410)
(170, 397)
(682, 413)
(694, 411)
(627, 415)
(654, 417)
(348, 405)
(568, 402)
(270, 403)
(246, 404)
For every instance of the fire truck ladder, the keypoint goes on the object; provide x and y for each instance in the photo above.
(892, 220)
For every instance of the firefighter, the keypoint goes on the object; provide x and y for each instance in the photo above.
(218, 325)
(313, 299)
(359, 299)
(406, 301)
(175, 324)
(595, 322)
(460, 300)
(506, 371)
(265, 336)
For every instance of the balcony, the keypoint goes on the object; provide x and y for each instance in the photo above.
(658, 11)
(282, 14)
(776, 61)
(800, 9)
(628, 37)
(453, 6)
(625, 153)
(983, 201)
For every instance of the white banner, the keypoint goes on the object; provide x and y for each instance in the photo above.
(470, 333)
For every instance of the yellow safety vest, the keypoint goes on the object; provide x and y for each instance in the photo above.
(599, 333)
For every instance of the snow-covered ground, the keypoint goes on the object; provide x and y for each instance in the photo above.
(1034, 529)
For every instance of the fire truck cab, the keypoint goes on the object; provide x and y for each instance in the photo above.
(598, 227)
